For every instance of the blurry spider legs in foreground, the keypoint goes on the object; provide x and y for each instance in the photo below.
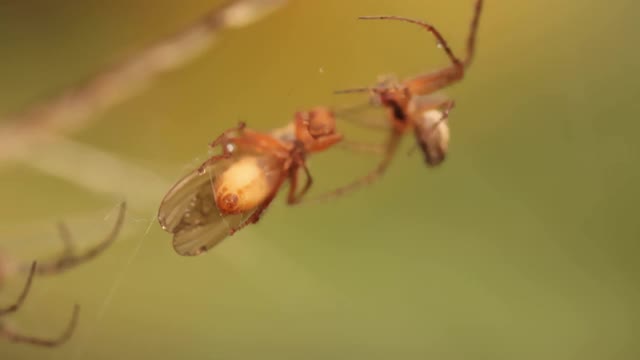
(68, 259)
(412, 105)
(13, 336)
(63, 263)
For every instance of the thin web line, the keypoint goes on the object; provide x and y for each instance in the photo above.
(80, 350)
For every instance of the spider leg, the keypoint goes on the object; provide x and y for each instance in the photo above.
(222, 140)
(293, 198)
(69, 260)
(23, 295)
(433, 81)
(293, 185)
(446, 109)
(65, 237)
(471, 39)
(430, 28)
(11, 335)
(258, 142)
(473, 31)
(33, 340)
(425, 103)
(248, 140)
(375, 174)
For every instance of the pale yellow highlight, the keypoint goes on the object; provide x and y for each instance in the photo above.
(247, 180)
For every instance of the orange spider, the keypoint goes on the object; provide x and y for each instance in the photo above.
(412, 104)
(231, 190)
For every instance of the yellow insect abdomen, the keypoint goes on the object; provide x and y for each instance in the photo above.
(242, 187)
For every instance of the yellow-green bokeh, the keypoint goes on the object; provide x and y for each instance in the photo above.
(522, 246)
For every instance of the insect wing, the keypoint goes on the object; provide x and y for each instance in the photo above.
(189, 211)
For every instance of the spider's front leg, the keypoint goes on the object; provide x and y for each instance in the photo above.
(294, 198)
(223, 140)
(9, 334)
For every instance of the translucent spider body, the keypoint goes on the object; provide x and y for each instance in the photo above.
(411, 105)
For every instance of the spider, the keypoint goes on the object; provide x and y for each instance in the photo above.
(65, 262)
(412, 105)
(231, 190)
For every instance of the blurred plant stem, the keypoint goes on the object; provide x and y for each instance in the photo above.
(96, 170)
(32, 136)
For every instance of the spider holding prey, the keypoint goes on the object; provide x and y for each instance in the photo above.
(231, 190)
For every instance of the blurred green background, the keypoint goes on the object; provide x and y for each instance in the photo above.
(522, 246)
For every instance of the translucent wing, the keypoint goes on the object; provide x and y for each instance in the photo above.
(189, 210)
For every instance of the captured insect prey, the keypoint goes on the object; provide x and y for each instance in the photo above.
(7, 333)
(231, 190)
(412, 104)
